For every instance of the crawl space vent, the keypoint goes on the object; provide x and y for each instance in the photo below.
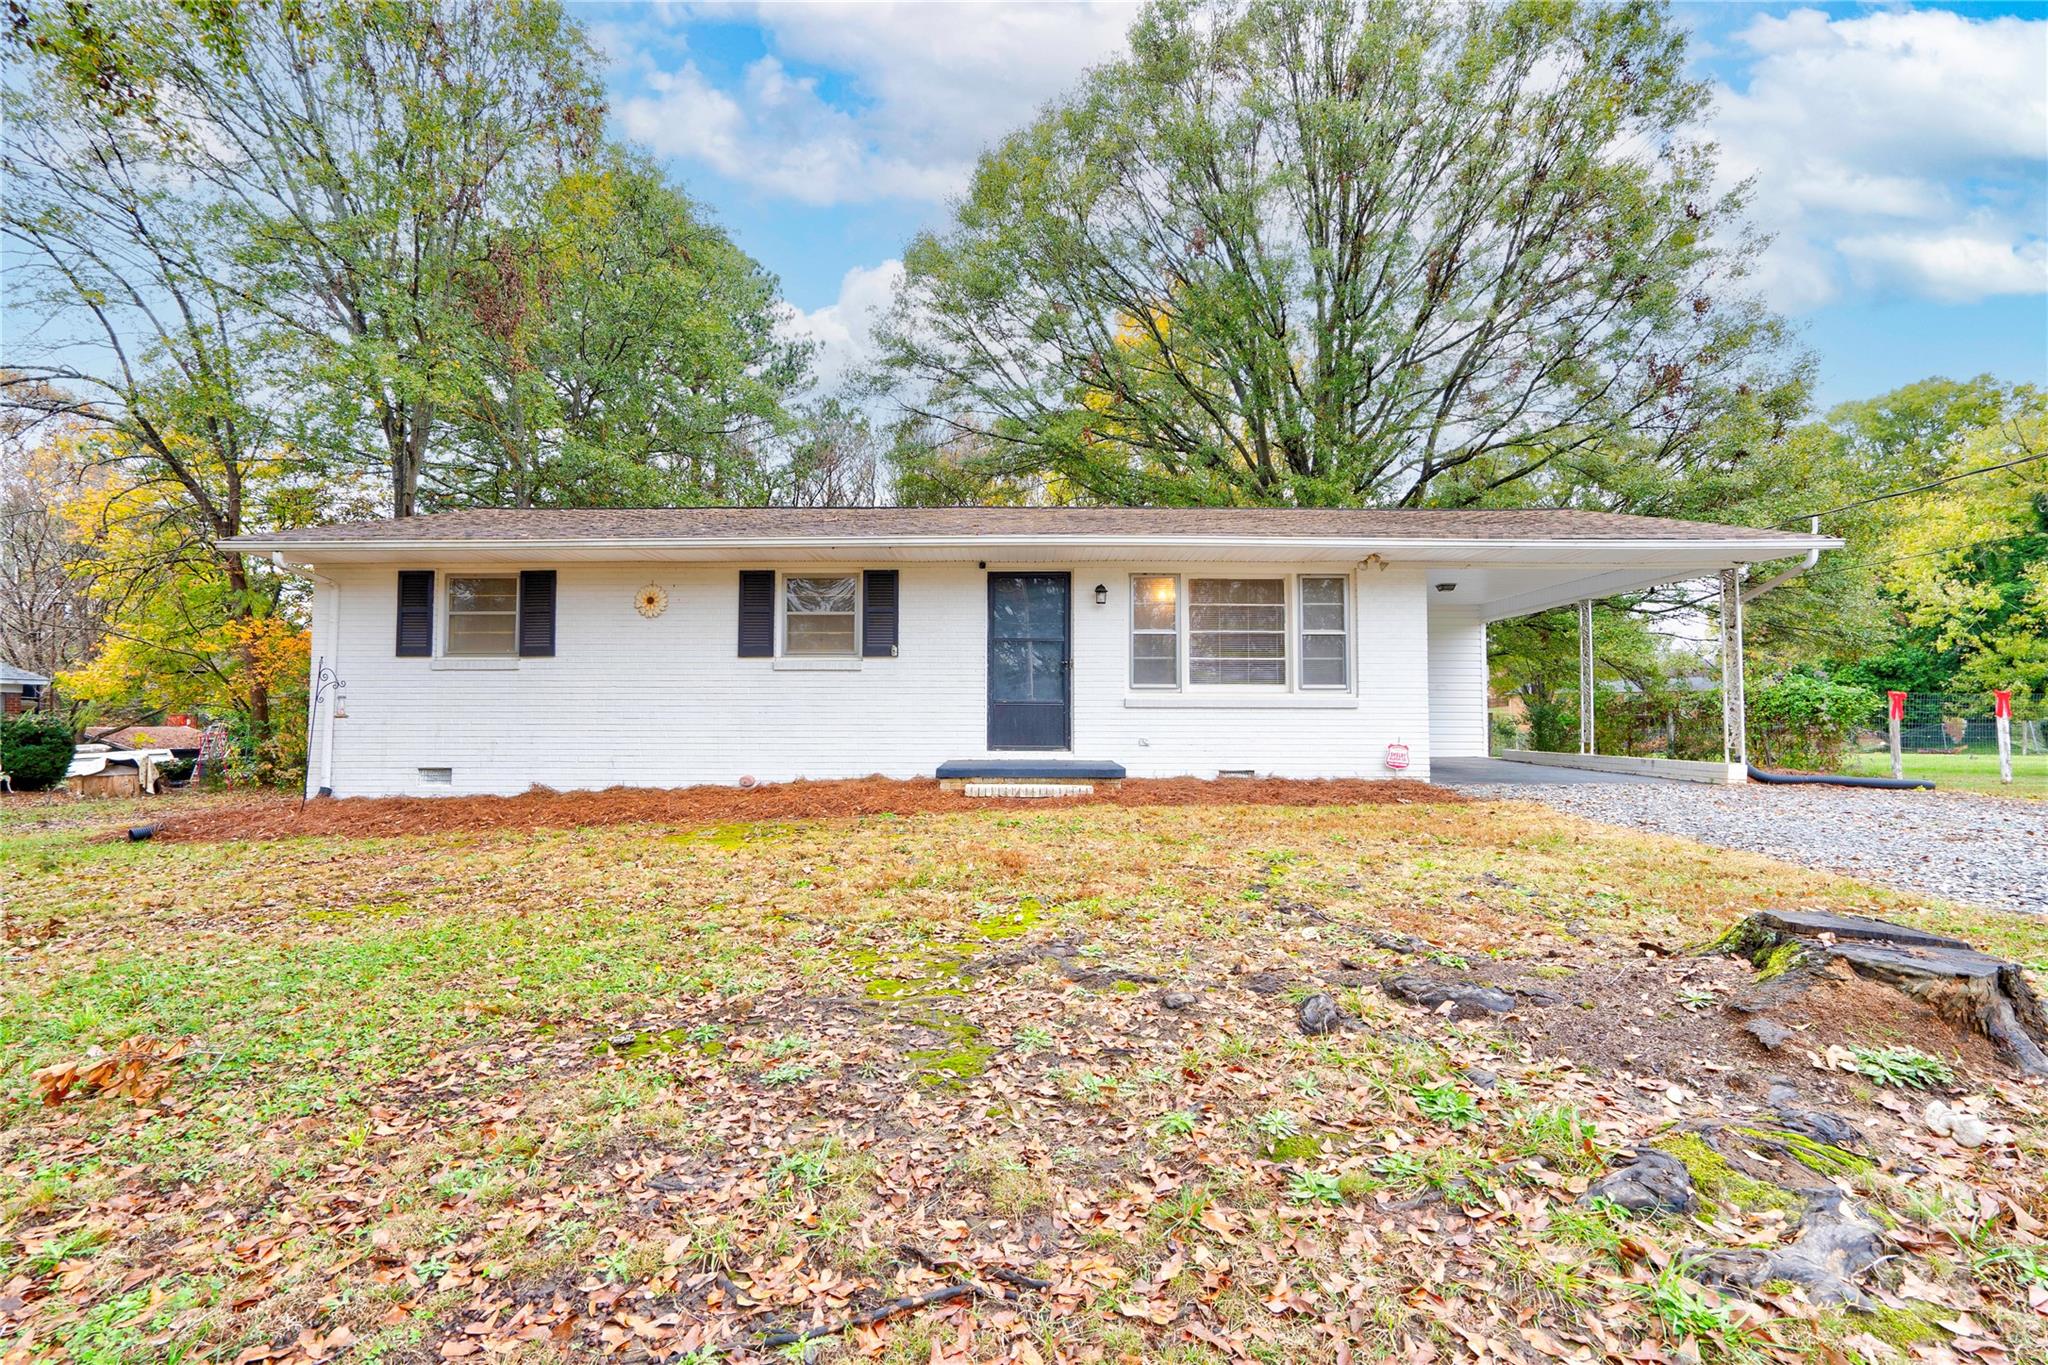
(437, 777)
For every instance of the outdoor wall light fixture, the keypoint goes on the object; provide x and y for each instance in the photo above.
(1447, 587)
(1101, 594)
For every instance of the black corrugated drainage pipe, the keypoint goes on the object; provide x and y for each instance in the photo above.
(1896, 784)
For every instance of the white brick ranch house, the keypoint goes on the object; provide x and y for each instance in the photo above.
(491, 651)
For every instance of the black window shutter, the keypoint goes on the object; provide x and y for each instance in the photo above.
(415, 613)
(879, 614)
(537, 614)
(757, 613)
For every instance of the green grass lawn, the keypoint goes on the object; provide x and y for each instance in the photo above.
(559, 1095)
(1971, 772)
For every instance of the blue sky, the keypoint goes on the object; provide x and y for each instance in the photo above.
(1900, 155)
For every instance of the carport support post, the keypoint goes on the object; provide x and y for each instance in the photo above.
(1586, 675)
(1734, 707)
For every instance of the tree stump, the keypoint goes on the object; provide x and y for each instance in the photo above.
(1973, 989)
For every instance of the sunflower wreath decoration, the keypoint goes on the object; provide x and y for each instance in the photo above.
(651, 601)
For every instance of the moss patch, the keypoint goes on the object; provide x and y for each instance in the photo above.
(1901, 1327)
(1780, 960)
(1823, 1158)
(730, 838)
(368, 909)
(1771, 955)
(1720, 1182)
(1011, 923)
(1302, 1146)
(897, 977)
(657, 1043)
(920, 983)
(949, 1066)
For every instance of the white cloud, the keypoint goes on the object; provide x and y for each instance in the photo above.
(1901, 151)
(844, 328)
(774, 132)
(1955, 266)
(932, 85)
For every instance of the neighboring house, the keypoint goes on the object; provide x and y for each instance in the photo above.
(20, 690)
(1683, 682)
(712, 645)
(181, 740)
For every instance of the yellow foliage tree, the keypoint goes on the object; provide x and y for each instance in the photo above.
(186, 626)
(1968, 562)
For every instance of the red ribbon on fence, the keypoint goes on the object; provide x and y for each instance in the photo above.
(1898, 705)
(2001, 705)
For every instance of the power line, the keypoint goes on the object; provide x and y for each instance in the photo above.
(1918, 488)
(1945, 550)
(1694, 603)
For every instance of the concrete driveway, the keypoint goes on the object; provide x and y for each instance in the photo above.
(1492, 772)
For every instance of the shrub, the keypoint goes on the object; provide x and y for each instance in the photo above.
(1553, 728)
(35, 751)
(1804, 720)
(1668, 720)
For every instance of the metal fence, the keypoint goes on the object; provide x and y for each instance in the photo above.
(1952, 738)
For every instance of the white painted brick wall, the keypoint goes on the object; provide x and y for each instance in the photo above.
(666, 702)
(1457, 683)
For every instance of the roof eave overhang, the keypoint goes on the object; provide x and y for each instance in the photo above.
(1737, 550)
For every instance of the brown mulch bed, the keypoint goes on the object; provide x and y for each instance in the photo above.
(545, 809)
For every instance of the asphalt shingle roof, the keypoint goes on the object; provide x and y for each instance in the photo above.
(890, 523)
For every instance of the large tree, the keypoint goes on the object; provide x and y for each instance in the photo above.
(48, 621)
(1321, 252)
(352, 161)
(1962, 559)
(147, 367)
(621, 351)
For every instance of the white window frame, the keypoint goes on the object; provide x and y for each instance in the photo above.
(1217, 694)
(446, 636)
(1302, 632)
(1180, 644)
(1287, 635)
(782, 612)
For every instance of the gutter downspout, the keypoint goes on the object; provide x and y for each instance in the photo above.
(1757, 774)
(326, 787)
(1812, 558)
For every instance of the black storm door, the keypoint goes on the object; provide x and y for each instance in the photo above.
(1030, 661)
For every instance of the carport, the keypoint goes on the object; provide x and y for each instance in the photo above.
(1464, 599)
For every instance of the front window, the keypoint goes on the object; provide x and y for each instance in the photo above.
(818, 615)
(1155, 631)
(1325, 640)
(483, 616)
(1237, 631)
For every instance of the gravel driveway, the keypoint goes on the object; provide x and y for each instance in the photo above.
(1979, 849)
